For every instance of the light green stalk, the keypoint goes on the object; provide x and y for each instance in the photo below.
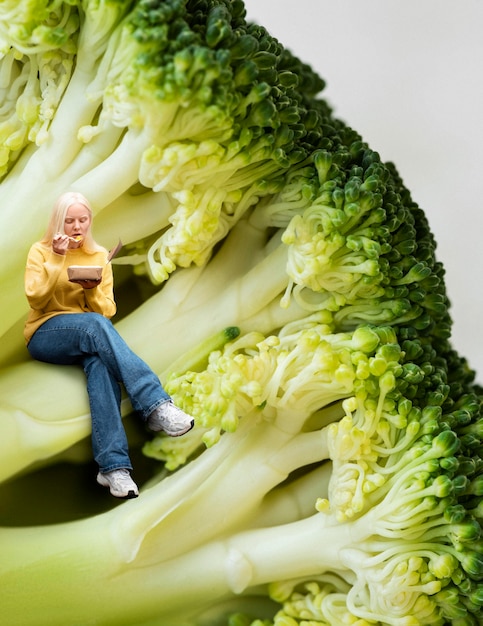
(86, 562)
(224, 552)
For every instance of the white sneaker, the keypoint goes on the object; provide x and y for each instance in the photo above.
(120, 483)
(173, 421)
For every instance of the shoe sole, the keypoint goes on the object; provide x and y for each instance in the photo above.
(131, 494)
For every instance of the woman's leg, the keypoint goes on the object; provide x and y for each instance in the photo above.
(54, 343)
(91, 340)
(109, 441)
(69, 338)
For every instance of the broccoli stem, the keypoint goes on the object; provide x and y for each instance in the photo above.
(144, 534)
(293, 499)
(116, 219)
(59, 561)
(205, 309)
(265, 467)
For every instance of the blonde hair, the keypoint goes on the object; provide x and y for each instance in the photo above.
(57, 220)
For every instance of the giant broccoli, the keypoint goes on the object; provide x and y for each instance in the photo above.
(283, 283)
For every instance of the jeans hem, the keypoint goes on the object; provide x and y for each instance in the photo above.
(112, 468)
(154, 406)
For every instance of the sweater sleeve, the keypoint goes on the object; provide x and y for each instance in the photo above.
(100, 299)
(41, 274)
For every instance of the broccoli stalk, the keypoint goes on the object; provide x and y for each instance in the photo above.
(409, 549)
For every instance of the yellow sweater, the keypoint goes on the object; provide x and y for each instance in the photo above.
(50, 293)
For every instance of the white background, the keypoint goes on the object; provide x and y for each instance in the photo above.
(408, 76)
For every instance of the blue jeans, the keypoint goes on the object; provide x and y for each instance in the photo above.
(90, 340)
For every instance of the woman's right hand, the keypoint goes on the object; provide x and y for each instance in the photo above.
(60, 243)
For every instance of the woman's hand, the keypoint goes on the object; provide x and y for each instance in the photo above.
(88, 284)
(60, 243)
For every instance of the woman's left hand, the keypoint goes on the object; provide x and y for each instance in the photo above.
(88, 284)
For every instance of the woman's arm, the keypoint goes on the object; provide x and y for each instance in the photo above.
(41, 274)
(100, 299)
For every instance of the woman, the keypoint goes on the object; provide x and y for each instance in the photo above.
(69, 323)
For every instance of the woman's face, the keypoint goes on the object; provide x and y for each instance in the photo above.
(76, 224)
